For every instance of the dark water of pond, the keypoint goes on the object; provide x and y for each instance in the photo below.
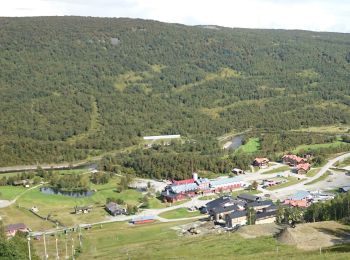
(74, 194)
(236, 142)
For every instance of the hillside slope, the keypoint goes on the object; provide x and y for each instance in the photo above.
(73, 86)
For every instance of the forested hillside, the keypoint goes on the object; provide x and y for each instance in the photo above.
(71, 87)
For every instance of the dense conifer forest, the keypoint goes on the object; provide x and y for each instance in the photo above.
(73, 87)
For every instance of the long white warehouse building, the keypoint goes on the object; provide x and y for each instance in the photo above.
(159, 137)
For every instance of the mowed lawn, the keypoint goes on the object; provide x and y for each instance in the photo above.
(306, 147)
(180, 213)
(278, 170)
(160, 241)
(61, 207)
(10, 192)
(290, 181)
(251, 146)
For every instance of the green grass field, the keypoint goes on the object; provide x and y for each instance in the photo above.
(251, 146)
(334, 129)
(60, 207)
(253, 192)
(343, 163)
(179, 213)
(306, 147)
(160, 241)
(10, 192)
(312, 172)
(278, 170)
(321, 178)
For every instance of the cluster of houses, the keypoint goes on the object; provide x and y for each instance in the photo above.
(180, 190)
(306, 198)
(234, 211)
(301, 164)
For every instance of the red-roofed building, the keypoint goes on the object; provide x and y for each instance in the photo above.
(293, 160)
(303, 168)
(181, 182)
(261, 162)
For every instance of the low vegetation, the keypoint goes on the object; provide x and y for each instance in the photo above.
(278, 170)
(321, 178)
(180, 213)
(289, 181)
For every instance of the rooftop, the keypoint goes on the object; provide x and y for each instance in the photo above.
(300, 195)
(223, 181)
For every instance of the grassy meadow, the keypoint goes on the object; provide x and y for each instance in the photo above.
(159, 241)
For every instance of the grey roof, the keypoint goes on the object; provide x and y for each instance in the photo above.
(17, 226)
(224, 181)
(300, 195)
(219, 202)
(219, 210)
(237, 214)
(260, 203)
(271, 208)
(265, 214)
(112, 206)
(246, 196)
(345, 188)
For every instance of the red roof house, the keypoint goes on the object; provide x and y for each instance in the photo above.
(261, 162)
(303, 168)
(292, 159)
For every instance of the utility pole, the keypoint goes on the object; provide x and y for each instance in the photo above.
(57, 256)
(46, 256)
(73, 253)
(30, 255)
(66, 248)
(80, 236)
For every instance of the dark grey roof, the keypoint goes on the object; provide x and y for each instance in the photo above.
(112, 206)
(168, 194)
(271, 208)
(219, 209)
(218, 202)
(260, 203)
(237, 214)
(265, 214)
(248, 197)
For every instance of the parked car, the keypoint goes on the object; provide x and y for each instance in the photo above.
(203, 210)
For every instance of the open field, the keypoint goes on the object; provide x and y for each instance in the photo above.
(160, 241)
(10, 192)
(332, 129)
(321, 178)
(60, 207)
(179, 213)
(312, 172)
(277, 170)
(251, 146)
(306, 147)
(253, 192)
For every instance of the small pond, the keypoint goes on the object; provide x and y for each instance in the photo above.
(74, 194)
(236, 142)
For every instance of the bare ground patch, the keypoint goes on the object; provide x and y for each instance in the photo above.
(253, 231)
(312, 236)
